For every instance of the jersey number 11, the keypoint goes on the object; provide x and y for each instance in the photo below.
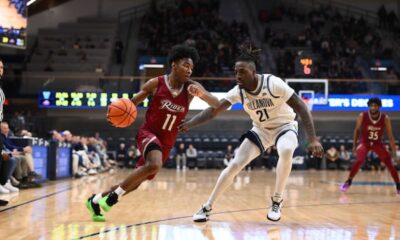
(169, 122)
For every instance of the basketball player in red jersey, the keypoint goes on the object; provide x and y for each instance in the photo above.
(171, 96)
(371, 125)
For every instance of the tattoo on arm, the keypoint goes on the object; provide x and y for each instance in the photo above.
(208, 114)
(202, 117)
(300, 107)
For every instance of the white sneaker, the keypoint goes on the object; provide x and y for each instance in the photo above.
(203, 214)
(10, 187)
(3, 189)
(274, 213)
(92, 172)
(14, 181)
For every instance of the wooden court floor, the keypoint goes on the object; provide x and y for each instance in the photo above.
(313, 208)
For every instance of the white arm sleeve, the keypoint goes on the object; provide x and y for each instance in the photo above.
(280, 89)
(233, 96)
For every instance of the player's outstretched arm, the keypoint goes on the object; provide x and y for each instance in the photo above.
(204, 116)
(300, 108)
(388, 126)
(148, 88)
(197, 90)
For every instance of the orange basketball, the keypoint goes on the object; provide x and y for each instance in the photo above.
(121, 113)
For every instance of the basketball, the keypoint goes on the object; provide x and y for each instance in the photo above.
(121, 113)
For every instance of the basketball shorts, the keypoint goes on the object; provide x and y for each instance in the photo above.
(146, 138)
(265, 138)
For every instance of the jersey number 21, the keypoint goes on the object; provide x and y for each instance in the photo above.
(262, 114)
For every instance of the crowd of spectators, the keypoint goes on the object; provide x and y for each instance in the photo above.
(17, 164)
(89, 154)
(196, 23)
(19, 173)
(341, 46)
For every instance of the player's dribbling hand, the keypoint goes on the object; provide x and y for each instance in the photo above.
(316, 148)
(196, 90)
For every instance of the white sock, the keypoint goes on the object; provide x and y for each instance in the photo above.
(277, 197)
(246, 152)
(208, 205)
(96, 198)
(119, 191)
(285, 146)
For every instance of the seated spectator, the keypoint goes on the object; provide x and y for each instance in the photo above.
(229, 154)
(133, 155)
(7, 167)
(23, 156)
(25, 134)
(332, 157)
(81, 164)
(191, 154)
(373, 162)
(344, 157)
(99, 69)
(171, 158)
(181, 157)
(122, 155)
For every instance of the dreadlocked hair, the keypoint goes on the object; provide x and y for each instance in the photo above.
(249, 54)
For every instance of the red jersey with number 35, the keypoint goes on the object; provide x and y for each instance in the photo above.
(166, 111)
(372, 130)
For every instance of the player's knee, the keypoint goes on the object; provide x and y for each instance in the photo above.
(153, 166)
(233, 167)
(286, 151)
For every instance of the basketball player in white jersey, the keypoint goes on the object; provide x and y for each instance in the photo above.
(269, 102)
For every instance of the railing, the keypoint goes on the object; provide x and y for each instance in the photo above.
(33, 84)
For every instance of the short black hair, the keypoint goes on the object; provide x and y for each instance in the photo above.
(181, 51)
(248, 53)
(375, 100)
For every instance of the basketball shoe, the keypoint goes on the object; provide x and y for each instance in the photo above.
(345, 186)
(3, 202)
(94, 210)
(108, 201)
(398, 188)
(274, 213)
(203, 214)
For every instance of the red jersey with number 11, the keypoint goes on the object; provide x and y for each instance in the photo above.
(166, 111)
(372, 130)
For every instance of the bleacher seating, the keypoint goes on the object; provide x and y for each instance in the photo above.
(84, 45)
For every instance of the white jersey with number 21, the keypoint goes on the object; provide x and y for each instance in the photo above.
(266, 105)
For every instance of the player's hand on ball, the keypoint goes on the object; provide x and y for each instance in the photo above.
(316, 148)
(196, 90)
